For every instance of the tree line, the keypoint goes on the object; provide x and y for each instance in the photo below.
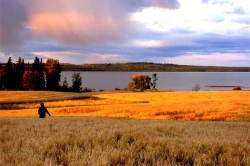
(149, 67)
(37, 76)
(46, 76)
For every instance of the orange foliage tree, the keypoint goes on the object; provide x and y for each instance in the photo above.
(139, 81)
(31, 80)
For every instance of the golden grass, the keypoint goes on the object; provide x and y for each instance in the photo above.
(91, 141)
(42, 96)
(123, 139)
(204, 105)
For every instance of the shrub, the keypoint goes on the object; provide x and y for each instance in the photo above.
(237, 88)
(196, 87)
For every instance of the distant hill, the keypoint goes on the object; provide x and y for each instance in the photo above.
(143, 66)
(150, 67)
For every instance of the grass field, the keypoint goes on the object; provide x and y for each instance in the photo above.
(116, 128)
(89, 141)
(203, 105)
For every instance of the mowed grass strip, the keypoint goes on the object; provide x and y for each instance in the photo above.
(203, 105)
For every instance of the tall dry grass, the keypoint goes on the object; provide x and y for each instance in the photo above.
(204, 105)
(90, 141)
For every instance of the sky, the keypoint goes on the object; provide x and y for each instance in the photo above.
(184, 32)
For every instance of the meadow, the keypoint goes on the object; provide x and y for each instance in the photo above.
(97, 141)
(202, 105)
(126, 128)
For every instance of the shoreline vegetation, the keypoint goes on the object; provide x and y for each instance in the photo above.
(149, 67)
(144, 67)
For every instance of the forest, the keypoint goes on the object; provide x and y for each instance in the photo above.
(149, 67)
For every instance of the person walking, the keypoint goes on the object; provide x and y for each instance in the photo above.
(42, 111)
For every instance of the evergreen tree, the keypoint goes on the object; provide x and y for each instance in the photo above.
(9, 74)
(154, 81)
(18, 72)
(38, 71)
(65, 86)
(76, 82)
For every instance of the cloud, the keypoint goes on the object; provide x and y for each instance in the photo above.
(80, 57)
(212, 60)
(12, 17)
(86, 22)
(205, 1)
(150, 43)
(125, 30)
(70, 21)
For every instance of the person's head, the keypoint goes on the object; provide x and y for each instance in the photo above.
(42, 104)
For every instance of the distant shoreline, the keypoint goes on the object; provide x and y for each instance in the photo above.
(142, 67)
(149, 67)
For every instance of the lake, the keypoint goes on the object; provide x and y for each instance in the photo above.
(181, 81)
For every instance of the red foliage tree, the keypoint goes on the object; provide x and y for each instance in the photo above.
(2, 79)
(30, 80)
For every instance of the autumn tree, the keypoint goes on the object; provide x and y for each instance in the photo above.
(53, 74)
(76, 82)
(2, 78)
(30, 80)
(140, 81)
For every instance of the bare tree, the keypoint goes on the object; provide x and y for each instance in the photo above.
(196, 87)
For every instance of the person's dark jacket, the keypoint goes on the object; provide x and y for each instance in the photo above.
(42, 111)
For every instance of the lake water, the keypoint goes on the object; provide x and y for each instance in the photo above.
(182, 81)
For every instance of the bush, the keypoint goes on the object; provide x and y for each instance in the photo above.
(86, 90)
(237, 88)
(196, 87)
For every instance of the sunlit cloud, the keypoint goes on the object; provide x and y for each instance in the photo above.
(212, 60)
(200, 32)
(149, 43)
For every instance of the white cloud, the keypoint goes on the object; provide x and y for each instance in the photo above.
(195, 17)
(211, 60)
(149, 43)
